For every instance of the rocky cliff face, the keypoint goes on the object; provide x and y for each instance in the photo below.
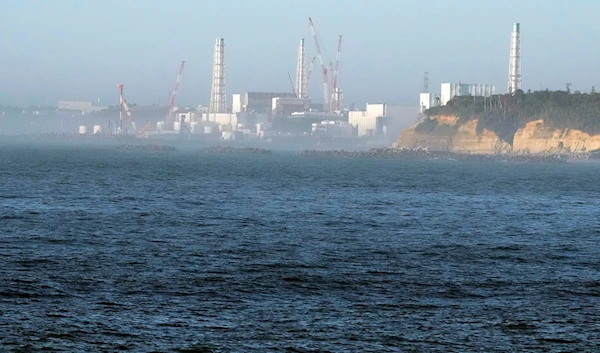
(448, 136)
(467, 140)
(444, 134)
(536, 137)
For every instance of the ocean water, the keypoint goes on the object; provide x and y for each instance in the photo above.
(108, 250)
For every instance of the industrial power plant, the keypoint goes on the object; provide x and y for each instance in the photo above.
(260, 115)
(293, 114)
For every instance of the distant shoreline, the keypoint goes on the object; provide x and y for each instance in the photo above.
(216, 146)
(422, 154)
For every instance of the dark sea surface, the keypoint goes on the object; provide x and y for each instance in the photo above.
(104, 250)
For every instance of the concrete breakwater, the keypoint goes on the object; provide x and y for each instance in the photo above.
(423, 154)
(148, 147)
(229, 149)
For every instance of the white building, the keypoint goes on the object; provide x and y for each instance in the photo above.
(334, 128)
(426, 101)
(188, 117)
(236, 103)
(451, 90)
(382, 117)
(222, 119)
(284, 106)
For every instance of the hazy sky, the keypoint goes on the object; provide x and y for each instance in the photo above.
(80, 49)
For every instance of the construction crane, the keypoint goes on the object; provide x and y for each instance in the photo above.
(126, 108)
(335, 99)
(293, 88)
(323, 66)
(173, 94)
(312, 65)
(144, 129)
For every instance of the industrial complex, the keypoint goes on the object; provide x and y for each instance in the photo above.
(266, 115)
(259, 115)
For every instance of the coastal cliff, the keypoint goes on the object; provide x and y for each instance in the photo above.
(536, 137)
(444, 134)
(557, 122)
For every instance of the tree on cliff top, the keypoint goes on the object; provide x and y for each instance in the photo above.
(505, 114)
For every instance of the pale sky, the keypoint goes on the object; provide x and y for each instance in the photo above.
(80, 49)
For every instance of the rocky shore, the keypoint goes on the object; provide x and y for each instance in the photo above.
(148, 147)
(423, 154)
(229, 149)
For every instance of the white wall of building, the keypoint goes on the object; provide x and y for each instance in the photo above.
(222, 119)
(378, 109)
(395, 118)
(236, 103)
(450, 90)
(365, 124)
(426, 101)
(187, 117)
(333, 128)
(446, 91)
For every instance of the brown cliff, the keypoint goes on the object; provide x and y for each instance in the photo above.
(445, 134)
(536, 137)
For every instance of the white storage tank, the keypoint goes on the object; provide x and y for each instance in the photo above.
(82, 129)
(160, 125)
(209, 130)
(177, 126)
(97, 129)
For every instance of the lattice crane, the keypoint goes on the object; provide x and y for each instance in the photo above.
(335, 97)
(323, 66)
(174, 93)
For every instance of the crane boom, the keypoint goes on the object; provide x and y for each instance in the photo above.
(323, 66)
(123, 105)
(310, 68)
(128, 112)
(293, 88)
(335, 100)
(174, 93)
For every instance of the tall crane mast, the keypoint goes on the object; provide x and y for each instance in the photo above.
(124, 106)
(174, 93)
(335, 99)
(310, 68)
(293, 87)
(323, 66)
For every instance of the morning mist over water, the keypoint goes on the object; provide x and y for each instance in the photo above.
(270, 179)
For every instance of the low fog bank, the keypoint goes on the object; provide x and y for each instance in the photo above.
(62, 122)
(58, 128)
(187, 144)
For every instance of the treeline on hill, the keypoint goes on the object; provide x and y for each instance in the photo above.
(505, 114)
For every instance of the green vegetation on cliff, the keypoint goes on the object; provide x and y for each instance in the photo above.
(505, 114)
(431, 126)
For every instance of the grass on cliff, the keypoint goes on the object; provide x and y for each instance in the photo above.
(432, 126)
(505, 114)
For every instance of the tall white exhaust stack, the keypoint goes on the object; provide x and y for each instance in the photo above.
(514, 66)
(301, 71)
(218, 103)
